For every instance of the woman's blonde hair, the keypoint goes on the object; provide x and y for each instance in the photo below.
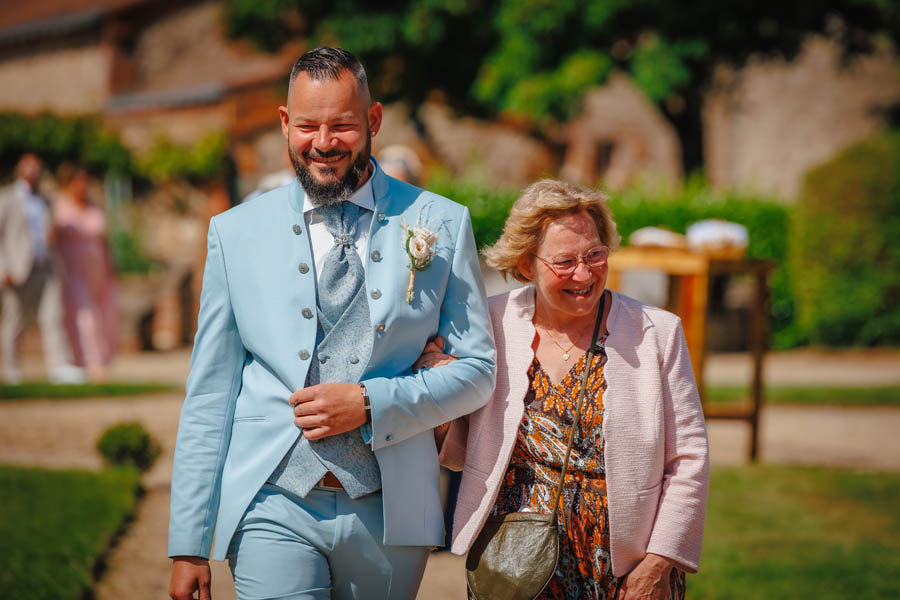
(539, 204)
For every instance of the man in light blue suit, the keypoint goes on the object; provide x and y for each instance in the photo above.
(305, 446)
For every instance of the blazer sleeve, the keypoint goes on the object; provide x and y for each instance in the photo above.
(407, 405)
(678, 529)
(204, 431)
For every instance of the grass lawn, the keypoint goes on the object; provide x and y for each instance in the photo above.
(83, 390)
(777, 532)
(56, 525)
(813, 396)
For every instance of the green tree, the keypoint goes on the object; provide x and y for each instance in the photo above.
(534, 59)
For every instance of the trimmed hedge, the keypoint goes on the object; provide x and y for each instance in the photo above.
(766, 220)
(82, 140)
(846, 245)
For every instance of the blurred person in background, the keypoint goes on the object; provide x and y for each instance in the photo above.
(634, 498)
(29, 278)
(89, 288)
(401, 162)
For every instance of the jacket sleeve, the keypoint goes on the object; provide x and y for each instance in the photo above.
(678, 529)
(407, 405)
(204, 431)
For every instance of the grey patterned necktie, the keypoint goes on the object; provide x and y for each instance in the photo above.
(342, 270)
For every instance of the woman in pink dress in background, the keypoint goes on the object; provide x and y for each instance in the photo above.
(88, 283)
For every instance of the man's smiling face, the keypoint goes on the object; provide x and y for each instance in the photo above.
(329, 126)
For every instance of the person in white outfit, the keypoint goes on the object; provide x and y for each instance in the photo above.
(30, 281)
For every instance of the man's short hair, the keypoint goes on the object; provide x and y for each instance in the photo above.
(327, 63)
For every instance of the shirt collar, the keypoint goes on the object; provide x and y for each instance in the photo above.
(363, 197)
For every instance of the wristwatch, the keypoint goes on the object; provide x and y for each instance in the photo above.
(366, 403)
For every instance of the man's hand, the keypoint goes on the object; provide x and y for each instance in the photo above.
(190, 574)
(328, 409)
(649, 580)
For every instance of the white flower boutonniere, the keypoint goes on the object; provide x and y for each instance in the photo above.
(420, 250)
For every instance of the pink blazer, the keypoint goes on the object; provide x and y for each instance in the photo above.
(657, 456)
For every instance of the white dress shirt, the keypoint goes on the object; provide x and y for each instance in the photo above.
(322, 241)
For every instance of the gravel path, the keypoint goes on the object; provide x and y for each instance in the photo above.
(59, 434)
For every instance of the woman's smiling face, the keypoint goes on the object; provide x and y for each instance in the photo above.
(571, 236)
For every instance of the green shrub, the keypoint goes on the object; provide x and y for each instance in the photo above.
(845, 246)
(767, 222)
(488, 206)
(82, 140)
(127, 253)
(129, 444)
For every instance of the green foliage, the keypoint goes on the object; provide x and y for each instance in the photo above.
(846, 244)
(129, 444)
(86, 142)
(205, 160)
(57, 526)
(799, 532)
(536, 58)
(488, 207)
(127, 253)
(82, 140)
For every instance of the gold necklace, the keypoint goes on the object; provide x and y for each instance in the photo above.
(565, 354)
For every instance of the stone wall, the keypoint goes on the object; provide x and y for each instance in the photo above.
(68, 79)
(767, 124)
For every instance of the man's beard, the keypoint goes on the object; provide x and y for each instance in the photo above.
(326, 194)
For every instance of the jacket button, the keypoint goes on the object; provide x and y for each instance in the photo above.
(381, 217)
(376, 294)
(303, 354)
(388, 437)
(323, 358)
(380, 328)
(307, 314)
(354, 359)
(304, 268)
(376, 255)
(297, 229)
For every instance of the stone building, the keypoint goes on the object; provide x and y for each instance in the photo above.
(151, 68)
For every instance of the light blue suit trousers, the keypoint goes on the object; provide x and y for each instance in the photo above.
(324, 546)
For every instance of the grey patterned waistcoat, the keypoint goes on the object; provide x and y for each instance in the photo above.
(341, 356)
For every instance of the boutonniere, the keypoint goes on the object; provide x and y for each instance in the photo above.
(420, 250)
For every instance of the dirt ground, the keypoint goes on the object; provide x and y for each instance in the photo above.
(63, 434)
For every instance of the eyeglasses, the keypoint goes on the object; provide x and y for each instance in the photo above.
(565, 266)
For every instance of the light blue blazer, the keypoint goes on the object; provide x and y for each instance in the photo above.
(254, 345)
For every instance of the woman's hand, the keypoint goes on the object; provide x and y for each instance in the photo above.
(649, 580)
(433, 356)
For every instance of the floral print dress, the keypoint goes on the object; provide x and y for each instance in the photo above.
(584, 569)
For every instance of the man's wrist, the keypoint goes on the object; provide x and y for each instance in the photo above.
(367, 404)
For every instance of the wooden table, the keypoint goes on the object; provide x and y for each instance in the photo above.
(691, 272)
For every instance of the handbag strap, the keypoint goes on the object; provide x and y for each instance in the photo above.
(589, 359)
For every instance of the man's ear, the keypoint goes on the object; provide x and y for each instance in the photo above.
(375, 115)
(285, 121)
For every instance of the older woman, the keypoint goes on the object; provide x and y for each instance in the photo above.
(635, 494)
